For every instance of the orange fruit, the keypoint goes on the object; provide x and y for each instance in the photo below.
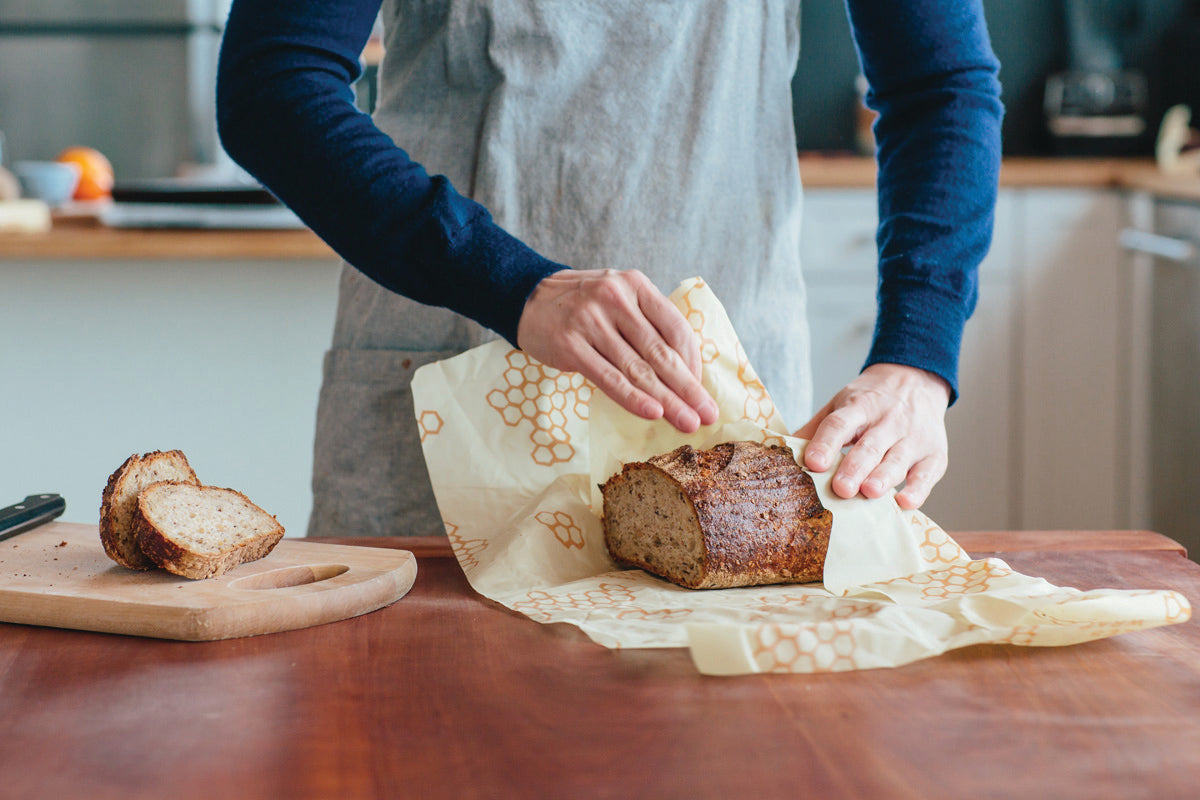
(95, 172)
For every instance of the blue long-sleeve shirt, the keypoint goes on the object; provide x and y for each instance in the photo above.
(286, 113)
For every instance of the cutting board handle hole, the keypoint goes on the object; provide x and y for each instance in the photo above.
(289, 576)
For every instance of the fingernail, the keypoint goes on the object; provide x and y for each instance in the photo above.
(651, 410)
(708, 412)
(816, 458)
(872, 487)
(844, 488)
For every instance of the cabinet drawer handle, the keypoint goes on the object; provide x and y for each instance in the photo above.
(1157, 245)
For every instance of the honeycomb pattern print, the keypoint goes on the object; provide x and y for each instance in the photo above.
(1052, 632)
(430, 424)
(695, 317)
(1175, 609)
(936, 545)
(466, 550)
(543, 606)
(1025, 635)
(832, 607)
(822, 647)
(542, 397)
(758, 407)
(972, 577)
(563, 526)
(659, 615)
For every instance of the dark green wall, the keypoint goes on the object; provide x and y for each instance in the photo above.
(1028, 37)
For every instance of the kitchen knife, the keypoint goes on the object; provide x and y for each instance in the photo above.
(29, 513)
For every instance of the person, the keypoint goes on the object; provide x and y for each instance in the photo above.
(539, 169)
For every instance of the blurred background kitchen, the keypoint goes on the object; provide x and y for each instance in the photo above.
(134, 78)
(1080, 371)
(1124, 58)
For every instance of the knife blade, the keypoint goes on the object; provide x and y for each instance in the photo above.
(34, 510)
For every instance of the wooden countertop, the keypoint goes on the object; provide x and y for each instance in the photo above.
(446, 694)
(1148, 178)
(81, 239)
(76, 239)
(831, 172)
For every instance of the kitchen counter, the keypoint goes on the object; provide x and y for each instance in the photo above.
(74, 239)
(446, 694)
(1150, 180)
(78, 240)
(836, 172)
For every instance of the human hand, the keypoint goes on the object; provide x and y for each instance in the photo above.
(893, 416)
(621, 333)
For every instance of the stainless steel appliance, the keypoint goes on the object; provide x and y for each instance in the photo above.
(1097, 106)
(1168, 422)
(133, 78)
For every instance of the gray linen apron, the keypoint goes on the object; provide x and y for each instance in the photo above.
(648, 134)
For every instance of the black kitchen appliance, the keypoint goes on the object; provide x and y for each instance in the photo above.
(1097, 106)
(1181, 83)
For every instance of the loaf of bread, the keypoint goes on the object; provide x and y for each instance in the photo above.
(201, 531)
(739, 514)
(119, 501)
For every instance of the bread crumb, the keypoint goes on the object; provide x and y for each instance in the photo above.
(62, 543)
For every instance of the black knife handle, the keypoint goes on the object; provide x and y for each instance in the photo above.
(29, 513)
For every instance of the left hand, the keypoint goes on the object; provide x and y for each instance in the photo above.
(894, 419)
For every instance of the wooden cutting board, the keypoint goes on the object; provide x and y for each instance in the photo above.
(59, 575)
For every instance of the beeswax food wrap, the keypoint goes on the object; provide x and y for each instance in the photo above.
(516, 450)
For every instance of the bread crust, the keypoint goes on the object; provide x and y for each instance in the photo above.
(754, 511)
(164, 551)
(119, 499)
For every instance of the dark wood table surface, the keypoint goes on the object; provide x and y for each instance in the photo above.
(446, 694)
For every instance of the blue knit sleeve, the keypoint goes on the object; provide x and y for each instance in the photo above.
(286, 113)
(933, 80)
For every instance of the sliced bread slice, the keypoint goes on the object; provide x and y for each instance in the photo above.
(202, 531)
(119, 501)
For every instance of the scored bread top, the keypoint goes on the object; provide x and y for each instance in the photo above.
(118, 502)
(764, 473)
(738, 514)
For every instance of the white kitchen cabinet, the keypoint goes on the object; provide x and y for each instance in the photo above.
(221, 359)
(1073, 387)
(839, 261)
(1036, 438)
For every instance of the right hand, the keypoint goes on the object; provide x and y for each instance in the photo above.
(619, 331)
